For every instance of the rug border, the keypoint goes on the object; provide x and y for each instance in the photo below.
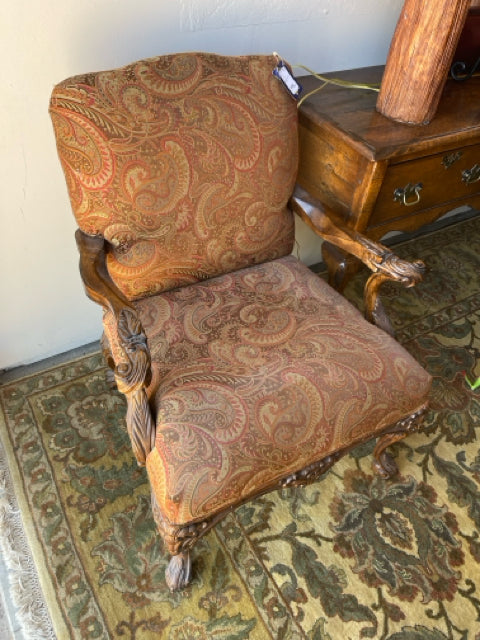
(42, 608)
(18, 374)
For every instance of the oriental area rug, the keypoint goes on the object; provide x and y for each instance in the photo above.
(352, 556)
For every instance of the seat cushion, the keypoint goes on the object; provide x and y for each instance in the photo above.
(259, 373)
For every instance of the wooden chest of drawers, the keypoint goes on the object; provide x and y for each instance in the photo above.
(384, 176)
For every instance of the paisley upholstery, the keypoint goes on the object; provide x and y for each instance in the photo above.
(257, 374)
(184, 163)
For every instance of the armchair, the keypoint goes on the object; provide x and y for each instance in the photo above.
(243, 371)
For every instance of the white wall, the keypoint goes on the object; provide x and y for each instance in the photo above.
(43, 310)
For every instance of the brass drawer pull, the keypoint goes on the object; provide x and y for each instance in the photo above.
(404, 195)
(471, 175)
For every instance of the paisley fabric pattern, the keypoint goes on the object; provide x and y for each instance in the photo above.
(184, 163)
(259, 373)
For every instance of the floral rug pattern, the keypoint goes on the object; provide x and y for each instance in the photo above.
(352, 556)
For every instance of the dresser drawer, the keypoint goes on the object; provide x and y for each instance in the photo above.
(416, 185)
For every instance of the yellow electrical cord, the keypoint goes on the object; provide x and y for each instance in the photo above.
(310, 93)
(335, 81)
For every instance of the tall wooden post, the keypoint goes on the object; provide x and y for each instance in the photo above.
(420, 56)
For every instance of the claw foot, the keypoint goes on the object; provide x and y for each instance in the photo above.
(384, 465)
(179, 571)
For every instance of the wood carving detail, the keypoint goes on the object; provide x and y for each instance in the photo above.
(133, 372)
(132, 377)
(393, 268)
(310, 473)
(181, 538)
(384, 264)
(383, 261)
(383, 464)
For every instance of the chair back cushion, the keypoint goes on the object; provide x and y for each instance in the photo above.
(184, 163)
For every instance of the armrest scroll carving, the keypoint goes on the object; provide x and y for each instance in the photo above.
(133, 370)
(383, 263)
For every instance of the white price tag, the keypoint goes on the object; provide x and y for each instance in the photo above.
(283, 73)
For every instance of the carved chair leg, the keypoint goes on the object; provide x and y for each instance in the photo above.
(383, 464)
(179, 541)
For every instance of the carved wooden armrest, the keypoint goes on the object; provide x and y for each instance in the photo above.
(383, 263)
(132, 369)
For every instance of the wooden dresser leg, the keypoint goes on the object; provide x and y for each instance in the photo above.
(341, 266)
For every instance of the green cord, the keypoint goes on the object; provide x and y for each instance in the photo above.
(311, 93)
(335, 81)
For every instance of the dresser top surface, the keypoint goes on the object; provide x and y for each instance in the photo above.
(351, 113)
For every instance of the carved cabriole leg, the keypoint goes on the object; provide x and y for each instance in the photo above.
(374, 309)
(341, 268)
(384, 465)
(179, 540)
